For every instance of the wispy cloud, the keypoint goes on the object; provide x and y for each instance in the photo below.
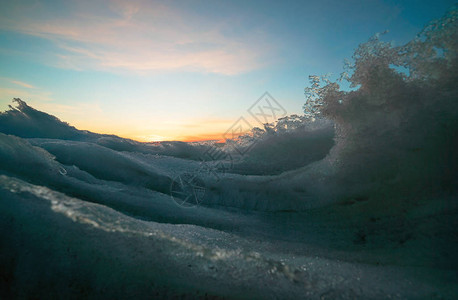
(23, 84)
(139, 36)
(16, 82)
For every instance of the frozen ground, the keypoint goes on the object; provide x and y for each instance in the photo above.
(59, 245)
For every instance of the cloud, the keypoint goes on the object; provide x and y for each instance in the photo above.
(139, 36)
(17, 82)
(23, 84)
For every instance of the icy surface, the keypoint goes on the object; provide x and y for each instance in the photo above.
(100, 251)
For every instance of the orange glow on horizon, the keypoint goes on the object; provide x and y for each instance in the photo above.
(188, 139)
(90, 117)
(203, 137)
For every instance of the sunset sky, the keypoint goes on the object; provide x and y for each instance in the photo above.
(182, 70)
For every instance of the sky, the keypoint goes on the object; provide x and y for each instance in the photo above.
(183, 70)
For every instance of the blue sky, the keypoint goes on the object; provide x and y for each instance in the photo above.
(162, 70)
